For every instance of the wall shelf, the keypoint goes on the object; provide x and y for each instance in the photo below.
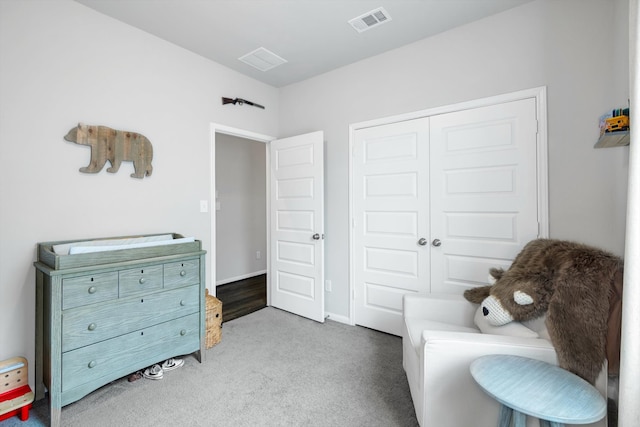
(613, 139)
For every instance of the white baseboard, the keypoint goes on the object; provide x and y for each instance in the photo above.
(337, 318)
(242, 277)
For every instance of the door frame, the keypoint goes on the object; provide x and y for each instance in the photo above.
(539, 93)
(245, 134)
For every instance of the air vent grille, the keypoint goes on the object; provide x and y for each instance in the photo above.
(370, 19)
(262, 59)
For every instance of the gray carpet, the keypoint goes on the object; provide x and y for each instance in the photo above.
(271, 368)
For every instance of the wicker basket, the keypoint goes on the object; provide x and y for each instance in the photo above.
(213, 320)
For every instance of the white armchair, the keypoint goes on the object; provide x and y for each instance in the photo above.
(440, 340)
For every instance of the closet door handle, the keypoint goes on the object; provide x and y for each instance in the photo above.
(422, 241)
(316, 236)
(436, 242)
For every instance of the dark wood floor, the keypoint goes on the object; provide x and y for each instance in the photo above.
(242, 297)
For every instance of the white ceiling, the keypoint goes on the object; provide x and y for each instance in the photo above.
(312, 35)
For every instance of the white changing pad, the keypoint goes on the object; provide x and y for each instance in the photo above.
(90, 246)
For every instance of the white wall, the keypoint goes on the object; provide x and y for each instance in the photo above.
(577, 48)
(241, 222)
(61, 63)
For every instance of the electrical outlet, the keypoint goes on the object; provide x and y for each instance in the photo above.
(258, 255)
(327, 285)
(204, 206)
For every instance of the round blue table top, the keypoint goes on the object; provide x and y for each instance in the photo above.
(540, 389)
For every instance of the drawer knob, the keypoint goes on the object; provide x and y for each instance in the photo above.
(183, 332)
(183, 273)
(182, 303)
(92, 326)
(92, 364)
(141, 281)
(92, 290)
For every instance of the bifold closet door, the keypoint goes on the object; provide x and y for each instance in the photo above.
(484, 198)
(439, 200)
(390, 194)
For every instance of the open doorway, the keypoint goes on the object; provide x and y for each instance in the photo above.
(294, 219)
(240, 223)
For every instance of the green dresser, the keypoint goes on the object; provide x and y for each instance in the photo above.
(101, 316)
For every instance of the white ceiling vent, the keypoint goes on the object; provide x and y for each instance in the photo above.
(370, 19)
(262, 59)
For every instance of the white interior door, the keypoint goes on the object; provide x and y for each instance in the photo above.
(484, 198)
(297, 225)
(390, 194)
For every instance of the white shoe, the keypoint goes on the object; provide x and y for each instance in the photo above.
(171, 364)
(154, 372)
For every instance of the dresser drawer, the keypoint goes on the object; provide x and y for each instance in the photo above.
(83, 290)
(119, 356)
(138, 281)
(182, 273)
(87, 325)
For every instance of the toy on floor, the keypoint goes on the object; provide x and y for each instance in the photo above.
(16, 397)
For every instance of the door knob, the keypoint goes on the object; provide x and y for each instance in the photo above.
(316, 236)
(422, 241)
(436, 242)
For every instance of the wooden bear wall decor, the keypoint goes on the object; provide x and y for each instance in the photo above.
(113, 145)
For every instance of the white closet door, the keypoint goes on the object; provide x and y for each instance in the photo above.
(484, 198)
(437, 201)
(390, 194)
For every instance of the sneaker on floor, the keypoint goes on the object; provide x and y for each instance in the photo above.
(154, 372)
(171, 364)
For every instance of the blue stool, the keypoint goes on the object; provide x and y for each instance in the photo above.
(526, 386)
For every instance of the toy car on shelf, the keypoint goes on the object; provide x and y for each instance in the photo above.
(617, 123)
